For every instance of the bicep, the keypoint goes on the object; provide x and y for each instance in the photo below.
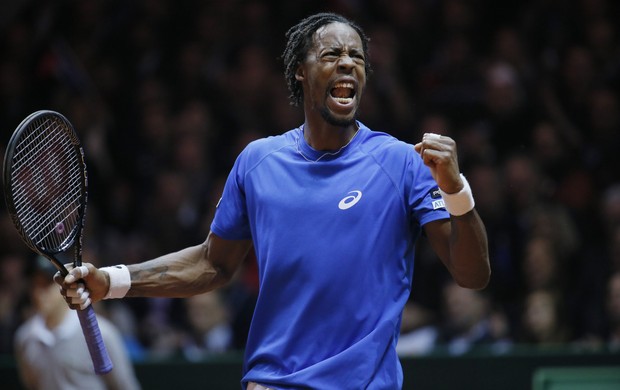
(226, 255)
(461, 244)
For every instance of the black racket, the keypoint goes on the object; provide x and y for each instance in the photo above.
(45, 188)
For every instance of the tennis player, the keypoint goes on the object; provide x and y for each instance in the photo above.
(333, 210)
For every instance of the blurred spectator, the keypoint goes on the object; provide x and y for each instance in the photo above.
(610, 208)
(160, 326)
(390, 105)
(542, 265)
(418, 332)
(469, 321)
(12, 292)
(50, 348)
(507, 109)
(552, 152)
(613, 311)
(209, 326)
(544, 319)
(491, 203)
(123, 317)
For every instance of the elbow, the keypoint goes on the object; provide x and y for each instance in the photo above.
(223, 275)
(476, 284)
(477, 281)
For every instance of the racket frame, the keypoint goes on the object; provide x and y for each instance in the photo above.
(88, 320)
(77, 229)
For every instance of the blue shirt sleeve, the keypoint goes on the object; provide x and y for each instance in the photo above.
(425, 201)
(231, 215)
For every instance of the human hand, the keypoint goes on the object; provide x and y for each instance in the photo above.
(439, 153)
(82, 285)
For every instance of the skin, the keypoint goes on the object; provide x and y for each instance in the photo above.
(337, 56)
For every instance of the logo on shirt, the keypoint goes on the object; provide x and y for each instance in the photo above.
(349, 201)
(437, 199)
(439, 204)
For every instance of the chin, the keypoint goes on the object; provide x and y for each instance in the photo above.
(340, 121)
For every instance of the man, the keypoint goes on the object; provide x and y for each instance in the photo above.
(333, 211)
(50, 350)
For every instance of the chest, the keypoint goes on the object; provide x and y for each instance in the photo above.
(350, 192)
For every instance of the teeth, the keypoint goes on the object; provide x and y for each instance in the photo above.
(344, 85)
(343, 100)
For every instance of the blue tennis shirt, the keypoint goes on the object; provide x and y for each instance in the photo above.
(334, 235)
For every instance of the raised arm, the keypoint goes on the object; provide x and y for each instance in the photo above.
(190, 271)
(461, 242)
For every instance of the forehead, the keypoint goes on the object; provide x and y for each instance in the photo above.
(337, 34)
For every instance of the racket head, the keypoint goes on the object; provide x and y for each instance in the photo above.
(45, 183)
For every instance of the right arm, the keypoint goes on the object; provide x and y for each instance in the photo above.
(190, 271)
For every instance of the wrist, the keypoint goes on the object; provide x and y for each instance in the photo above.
(460, 202)
(119, 279)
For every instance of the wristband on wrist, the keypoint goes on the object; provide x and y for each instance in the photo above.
(120, 281)
(460, 202)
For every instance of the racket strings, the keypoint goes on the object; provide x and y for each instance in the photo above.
(47, 183)
(53, 224)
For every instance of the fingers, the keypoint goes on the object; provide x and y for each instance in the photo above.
(434, 146)
(77, 296)
(433, 141)
(75, 293)
(76, 274)
(439, 153)
(85, 304)
(431, 136)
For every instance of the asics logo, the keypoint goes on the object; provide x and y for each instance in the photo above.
(349, 201)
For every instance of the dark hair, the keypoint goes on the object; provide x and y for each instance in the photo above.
(300, 41)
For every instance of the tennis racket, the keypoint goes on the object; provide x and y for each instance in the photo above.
(45, 188)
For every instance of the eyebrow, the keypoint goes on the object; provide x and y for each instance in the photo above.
(340, 48)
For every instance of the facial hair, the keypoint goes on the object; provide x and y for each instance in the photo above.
(332, 120)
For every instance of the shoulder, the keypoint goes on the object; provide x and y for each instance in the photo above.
(272, 143)
(384, 145)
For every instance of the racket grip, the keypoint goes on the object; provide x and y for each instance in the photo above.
(94, 340)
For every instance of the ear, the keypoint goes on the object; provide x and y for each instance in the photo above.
(300, 73)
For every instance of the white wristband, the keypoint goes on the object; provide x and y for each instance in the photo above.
(120, 281)
(461, 202)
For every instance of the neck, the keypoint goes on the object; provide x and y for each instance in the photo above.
(324, 136)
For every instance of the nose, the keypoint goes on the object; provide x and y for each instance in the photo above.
(345, 62)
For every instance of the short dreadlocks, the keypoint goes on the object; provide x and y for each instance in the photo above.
(300, 41)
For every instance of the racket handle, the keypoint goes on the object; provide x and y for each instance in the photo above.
(96, 347)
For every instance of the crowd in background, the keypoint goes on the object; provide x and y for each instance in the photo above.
(165, 94)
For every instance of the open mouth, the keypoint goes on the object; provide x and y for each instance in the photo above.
(343, 92)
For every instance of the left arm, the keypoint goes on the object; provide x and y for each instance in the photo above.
(460, 242)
